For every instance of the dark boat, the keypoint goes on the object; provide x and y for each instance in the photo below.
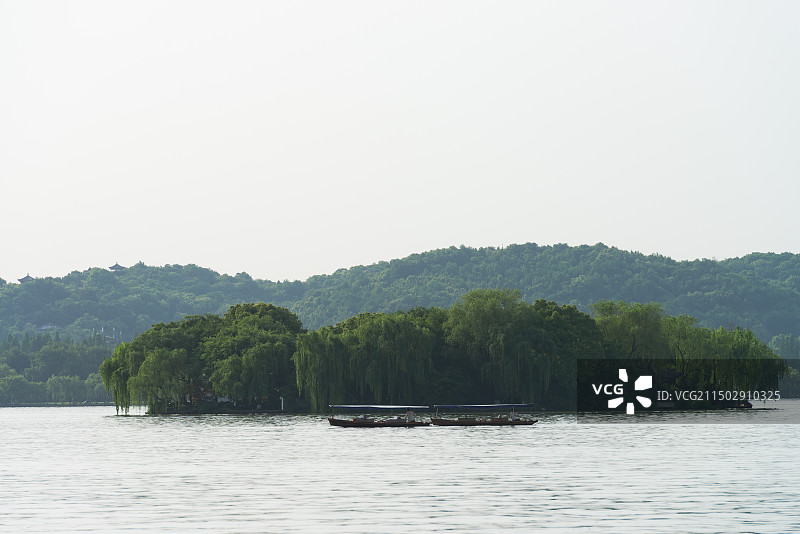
(364, 421)
(472, 421)
(503, 420)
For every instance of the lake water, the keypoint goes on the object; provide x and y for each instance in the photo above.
(87, 470)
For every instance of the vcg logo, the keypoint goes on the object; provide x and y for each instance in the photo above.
(642, 383)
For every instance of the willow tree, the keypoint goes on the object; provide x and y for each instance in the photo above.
(389, 356)
(244, 355)
(575, 335)
(164, 378)
(66, 389)
(744, 362)
(321, 363)
(370, 358)
(253, 374)
(249, 359)
(117, 371)
(506, 341)
(632, 330)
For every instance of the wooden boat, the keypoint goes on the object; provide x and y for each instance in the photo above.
(355, 422)
(364, 421)
(503, 420)
(472, 421)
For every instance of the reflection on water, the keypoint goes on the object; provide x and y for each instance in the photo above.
(84, 469)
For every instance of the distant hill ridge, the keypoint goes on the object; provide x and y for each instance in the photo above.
(760, 291)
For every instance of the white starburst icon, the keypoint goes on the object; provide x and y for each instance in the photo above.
(642, 383)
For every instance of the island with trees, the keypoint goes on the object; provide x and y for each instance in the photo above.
(490, 346)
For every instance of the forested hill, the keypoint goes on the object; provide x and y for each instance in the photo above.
(759, 291)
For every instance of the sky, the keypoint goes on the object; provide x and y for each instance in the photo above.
(288, 139)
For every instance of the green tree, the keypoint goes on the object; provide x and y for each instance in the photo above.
(16, 389)
(66, 389)
(377, 358)
(321, 362)
(506, 342)
(95, 390)
(786, 346)
(250, 357)
(164, 378)
(632, 331)
(245, 355)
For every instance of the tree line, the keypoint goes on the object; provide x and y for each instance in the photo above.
(43, 368)
(760, 292)
(490, 346)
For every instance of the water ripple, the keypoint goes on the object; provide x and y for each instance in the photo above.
(84, 469)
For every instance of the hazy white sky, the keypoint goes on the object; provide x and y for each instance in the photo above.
(287, 139)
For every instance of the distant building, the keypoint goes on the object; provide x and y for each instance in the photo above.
(27, 278)
(117, 267)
